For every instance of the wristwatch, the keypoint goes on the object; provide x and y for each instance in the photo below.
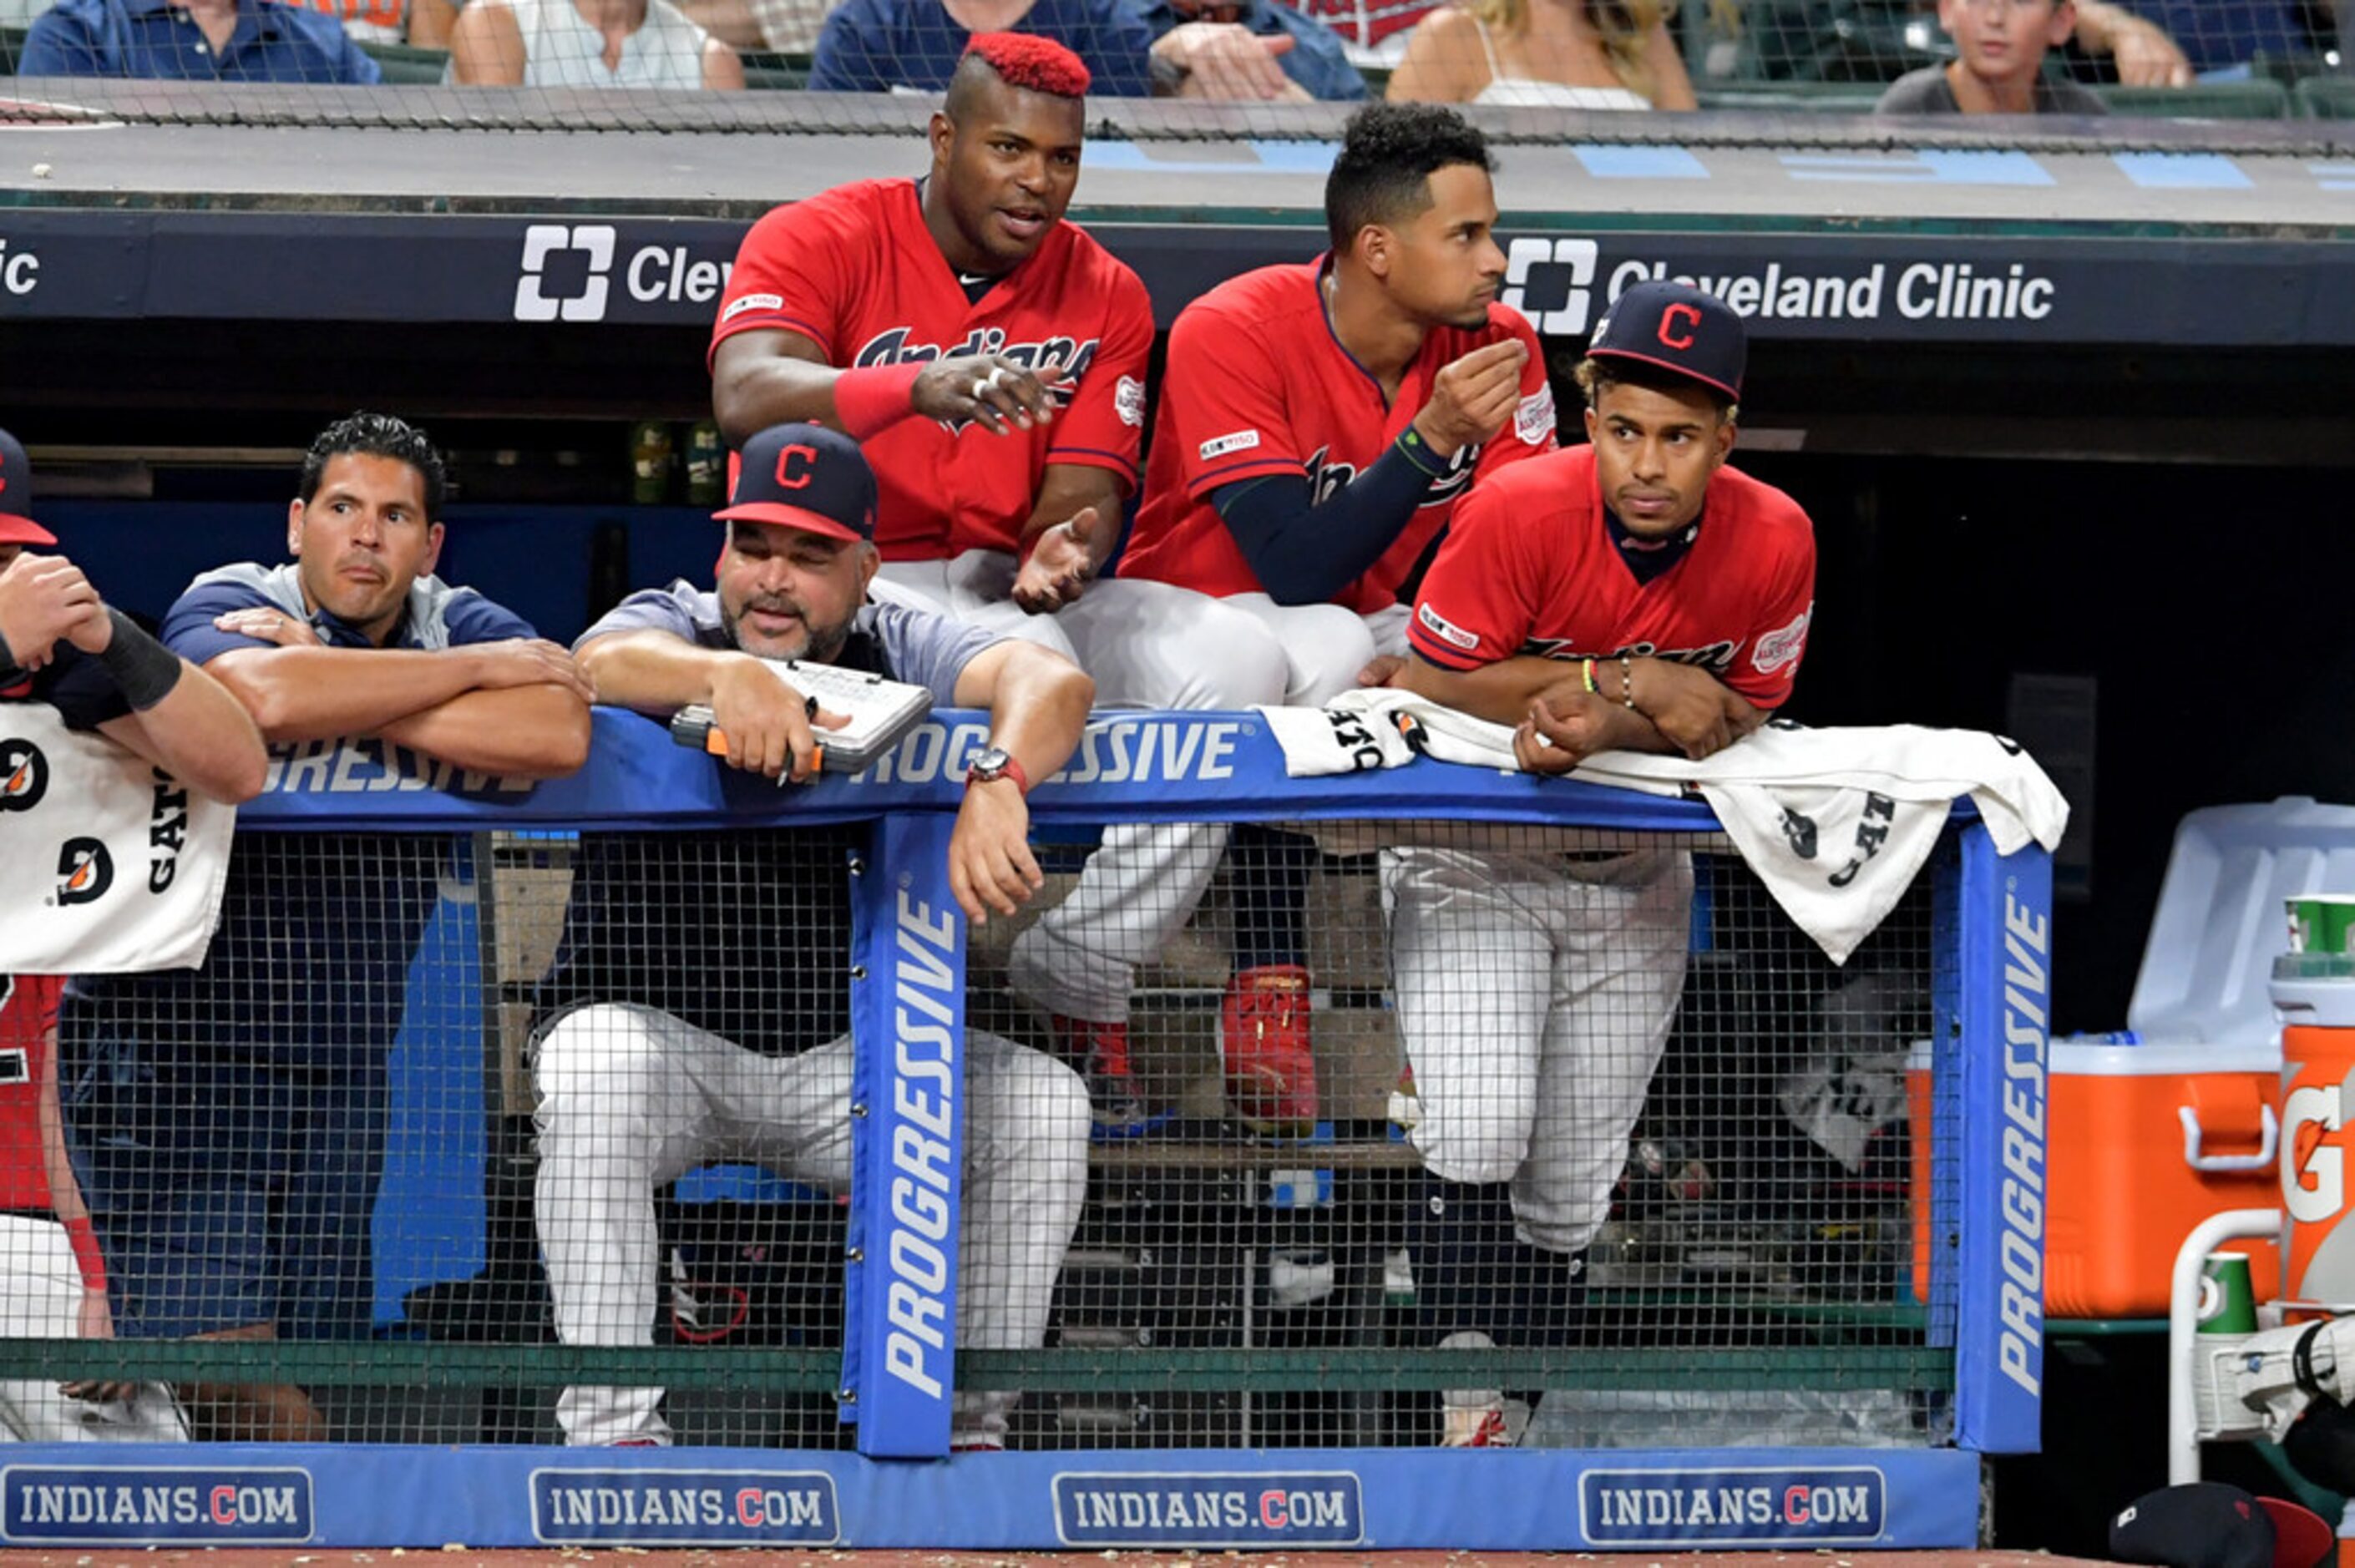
(995, 763)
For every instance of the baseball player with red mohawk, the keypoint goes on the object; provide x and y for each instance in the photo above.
(990, 357)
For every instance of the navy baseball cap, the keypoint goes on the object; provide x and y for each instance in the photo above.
(806, 477)
(1677, 327)
(2207, 1524)
(17, 525)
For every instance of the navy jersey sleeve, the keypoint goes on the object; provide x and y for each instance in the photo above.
(471, 618)
(188, 628)
(929, 651)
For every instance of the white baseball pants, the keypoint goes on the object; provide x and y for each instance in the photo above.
(630, 1098)
(1535, 1001)
(40, 1298)
(1147, 645)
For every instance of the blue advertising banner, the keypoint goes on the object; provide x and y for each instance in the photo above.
(2005, 940)
(1208, 1500)
(906, 1109)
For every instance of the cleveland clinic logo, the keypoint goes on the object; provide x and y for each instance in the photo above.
(1538, 271)
(566, 270)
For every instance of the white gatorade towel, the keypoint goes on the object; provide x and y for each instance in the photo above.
(108, 865)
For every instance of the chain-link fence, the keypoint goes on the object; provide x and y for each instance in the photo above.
(1210, 67)
(1418, 1132)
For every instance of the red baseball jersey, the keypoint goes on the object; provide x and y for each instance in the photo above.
(1531, 567)
(1258, 385)
(29, 1010)
(856, 271)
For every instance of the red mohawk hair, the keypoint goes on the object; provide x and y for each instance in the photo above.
(1031, 63)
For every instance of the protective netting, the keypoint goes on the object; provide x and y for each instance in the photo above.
(530, 1137)
(1229, 67)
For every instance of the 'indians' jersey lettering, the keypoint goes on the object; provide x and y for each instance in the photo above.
(1531, 567)
(856, 272)
(1259, 387)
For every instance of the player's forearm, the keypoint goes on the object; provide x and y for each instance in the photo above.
(654, 672)
(515, 732)
(1070, 489)
(749, 394)
(65, 1191)
(1499, 692)
(322, 693)
(1039, 708)
(1306, 552)
(200, 735)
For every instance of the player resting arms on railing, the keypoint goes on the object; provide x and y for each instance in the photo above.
(227, 1123)
(1635, 594)
(61, 647)
(699, 1006)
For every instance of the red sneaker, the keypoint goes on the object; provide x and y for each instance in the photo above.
(1100, 1050)
(1271, 1064)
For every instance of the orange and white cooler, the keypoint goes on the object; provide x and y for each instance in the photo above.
(2144, 1142)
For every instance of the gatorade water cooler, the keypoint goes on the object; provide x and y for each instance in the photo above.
(2178, 1118)
(2315, 994)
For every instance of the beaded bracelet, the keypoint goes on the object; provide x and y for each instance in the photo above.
(1587, 669)
(1627, 682)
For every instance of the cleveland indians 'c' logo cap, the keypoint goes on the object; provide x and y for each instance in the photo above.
(16, 524)
(1677, 327)
(807, 477)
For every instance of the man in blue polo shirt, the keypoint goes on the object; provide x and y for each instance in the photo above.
(195, 40)
(227, 1123)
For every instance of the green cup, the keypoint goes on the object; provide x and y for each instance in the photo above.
(2322, 922)
(2228, 1303)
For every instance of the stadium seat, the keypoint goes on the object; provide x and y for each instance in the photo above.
(409, 64)
(2326, 97)
(2254, 99)
(1795, 97)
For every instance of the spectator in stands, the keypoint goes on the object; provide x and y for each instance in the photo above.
(420, 23)
(63, 651)
(700, 999)
(1999, 64)
(882, 45)
(1569, 54)
(587, 43)
(228, 1123)
(780, 26)
(1246, 51)
(195, 40)
(2143, 52)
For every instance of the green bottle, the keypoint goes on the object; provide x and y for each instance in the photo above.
(707, 465)
(650, 462)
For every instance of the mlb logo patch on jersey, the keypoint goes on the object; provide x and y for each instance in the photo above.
(1533, 417)
(752, 302)
(1447, 631)
(1219, 446)
(1128, 400)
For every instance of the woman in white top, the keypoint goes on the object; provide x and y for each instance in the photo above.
(1568, 54)
(586, 43)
